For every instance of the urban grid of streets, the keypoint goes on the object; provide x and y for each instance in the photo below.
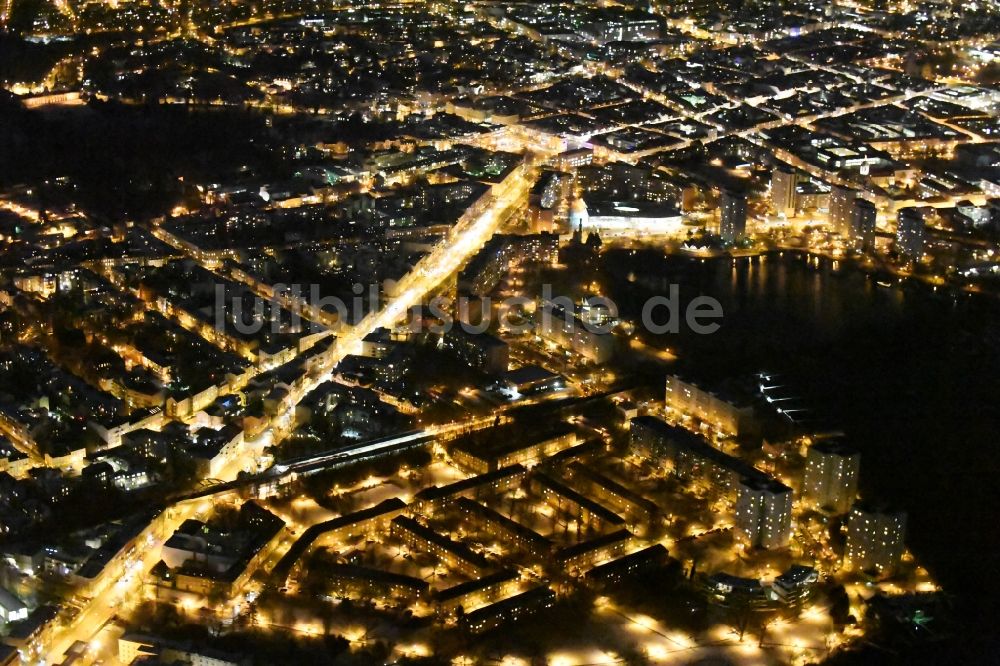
(477, 226)
(468, 237)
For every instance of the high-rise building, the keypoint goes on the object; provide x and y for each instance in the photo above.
(764, 513)
(783, 182)
(874, 539)
(910, 232)
(863, 216)
(831, 476)
(733, 216)
(842, 209)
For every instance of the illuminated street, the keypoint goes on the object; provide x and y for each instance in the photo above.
(531, 334)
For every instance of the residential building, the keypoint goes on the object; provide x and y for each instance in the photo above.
(501, 527)
(911, 233)
(842, 200)
(831, 476)
(783, 182)
(689, 456)
(863, 218)
(565, 328)
(203, 559)
(479, 350)
(616, 571)
(764, 513)
(475, 487)
(874, 538)
(454, 554)
(722, 412)
(581, 557)
(509, 610)
(349, 581)
(133, 646)
(616, 496)
(732, 216)
(474, 594)
(583, 510)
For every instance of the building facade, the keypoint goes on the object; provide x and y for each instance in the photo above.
(863, 218)
(783, 182)
(722, 413)
(831, 476)
(911, 232)
(733, 216)
(764, 513)
(874, 539)
(842, 208)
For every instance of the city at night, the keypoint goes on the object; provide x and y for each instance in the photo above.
(526, 333)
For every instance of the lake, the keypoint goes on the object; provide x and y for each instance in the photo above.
(910, 374)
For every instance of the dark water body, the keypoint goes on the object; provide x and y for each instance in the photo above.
(911, 375)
